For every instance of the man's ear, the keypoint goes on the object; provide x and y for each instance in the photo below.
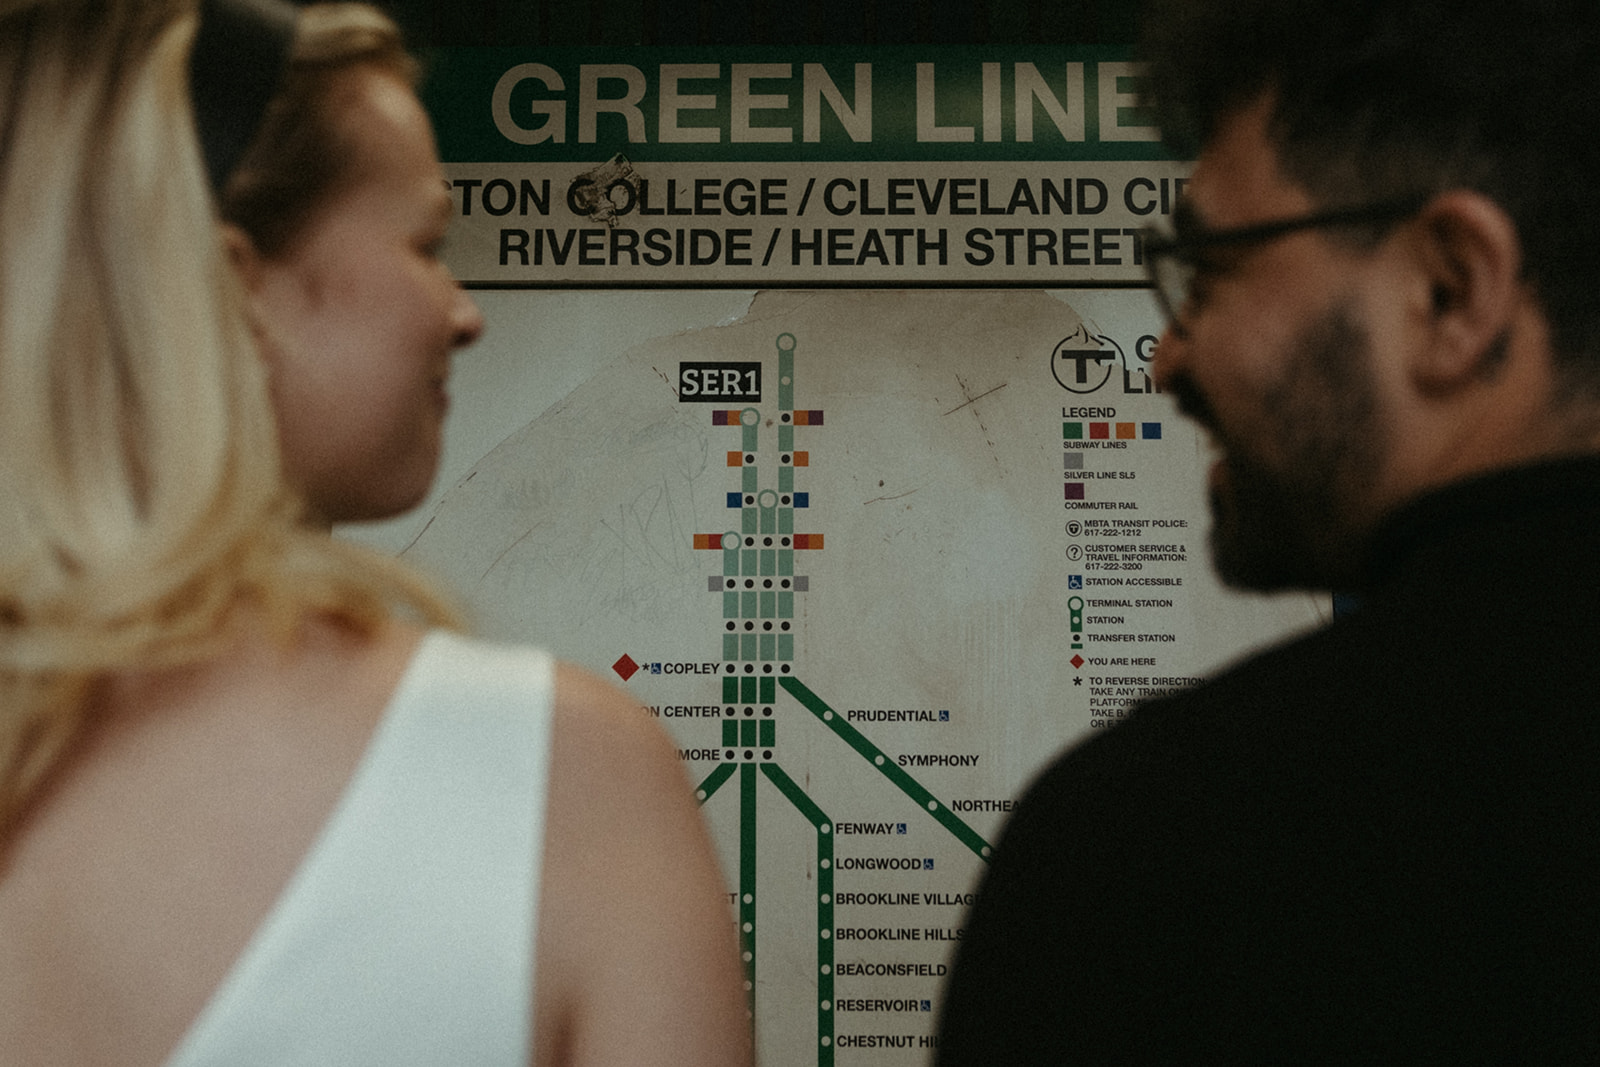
(1471, 258)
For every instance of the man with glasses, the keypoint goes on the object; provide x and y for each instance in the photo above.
(1379, 842)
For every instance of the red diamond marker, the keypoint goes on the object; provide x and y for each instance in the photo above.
(1076, 661)
(625, 667)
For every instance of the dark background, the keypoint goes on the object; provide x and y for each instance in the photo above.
(445, 23)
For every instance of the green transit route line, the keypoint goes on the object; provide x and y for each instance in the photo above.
(892, 771)
(797, 796)
(747, 872)
(714, 780)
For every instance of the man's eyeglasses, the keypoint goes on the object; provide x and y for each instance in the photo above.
(1172, 260)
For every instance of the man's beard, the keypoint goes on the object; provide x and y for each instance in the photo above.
(1288, 511)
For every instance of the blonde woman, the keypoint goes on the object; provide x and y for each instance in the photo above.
(258, 804)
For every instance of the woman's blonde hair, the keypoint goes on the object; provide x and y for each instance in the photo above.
(141, 499)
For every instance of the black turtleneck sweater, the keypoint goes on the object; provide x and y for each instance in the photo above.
(1376, 843)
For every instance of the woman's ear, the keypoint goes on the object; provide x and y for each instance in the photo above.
(246, 260)
(1471, 256)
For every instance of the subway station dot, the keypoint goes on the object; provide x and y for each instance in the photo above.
(749, 626)
(825, 828)
(827, 716)
(730, 753)
(748, 927)
(766, 753)
(826, 1041)
(783, 669)
(699, 794)
(749, 712)
(749, 668)
(730, 626)
(750, 457)
(827, 968)
(878, 760)
(749, 898)
(766, 542)
(766, 668)
(767, 584)
(825, 864)
(825, 933)
(826, 897)
(748, 956)
(749, 542)
(826, 1005)
(748, 754)
(767, 712)
(933, 805)
(985, 850)
(783, 626)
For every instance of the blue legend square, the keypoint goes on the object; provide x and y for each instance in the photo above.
(1074, 581)
(802, 500)
(736, 500)
(1152, 431)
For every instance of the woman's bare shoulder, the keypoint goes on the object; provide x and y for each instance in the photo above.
(637, 958)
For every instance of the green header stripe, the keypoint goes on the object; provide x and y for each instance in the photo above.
(779, 103)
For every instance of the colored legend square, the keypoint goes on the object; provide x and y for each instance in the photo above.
(1127, 431)
(808, 541)
(705, 541)
(1152, 431)
(808, 418)
(724, 418)
(1072, 431)
(802, 500)
(736, 500)
(1070, 461)
(735, 459)
(1098, 431)
(802, 459)
(1074, 491)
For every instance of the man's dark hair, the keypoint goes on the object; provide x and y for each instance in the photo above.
(1381, 98)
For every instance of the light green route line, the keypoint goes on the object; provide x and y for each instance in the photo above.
(714, 780)
(892, 771)
(797, 796)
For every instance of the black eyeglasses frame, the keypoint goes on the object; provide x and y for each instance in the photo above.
(1158, 247)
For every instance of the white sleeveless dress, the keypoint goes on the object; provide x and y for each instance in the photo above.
(406, 936)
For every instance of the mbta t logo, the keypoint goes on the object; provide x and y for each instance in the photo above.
(1083, 362)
